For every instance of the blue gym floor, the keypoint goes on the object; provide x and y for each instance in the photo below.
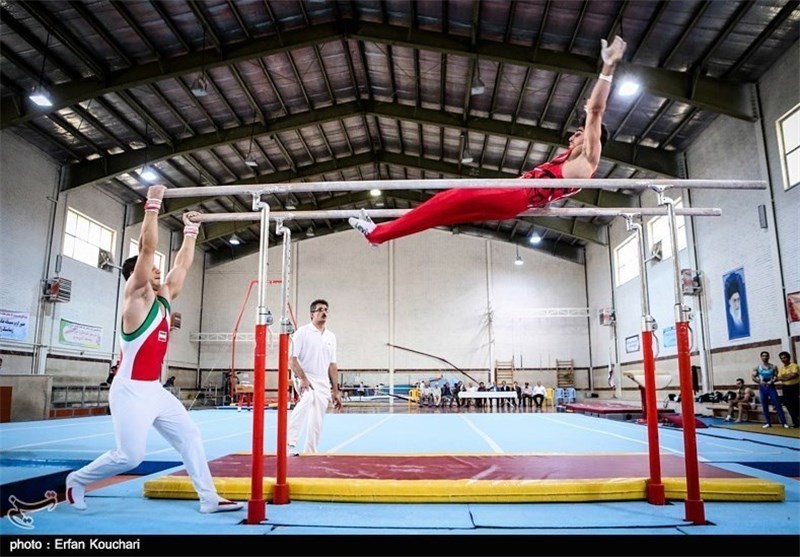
(54, 447)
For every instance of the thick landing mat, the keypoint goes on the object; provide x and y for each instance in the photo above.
(527, 478)
(610, 407)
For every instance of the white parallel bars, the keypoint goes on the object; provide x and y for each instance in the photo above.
(463, 183)
(394, 213)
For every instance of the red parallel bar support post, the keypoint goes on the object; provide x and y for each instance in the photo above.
(257, 506)
(694, 505)
(281, 493)
(655, 487)
(281, 490)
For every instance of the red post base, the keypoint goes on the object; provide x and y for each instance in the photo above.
(695, 512)
(256, 511)
(280, 494)
(656, 494)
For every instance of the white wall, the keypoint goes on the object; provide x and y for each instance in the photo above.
(430, 292)
(29, 205)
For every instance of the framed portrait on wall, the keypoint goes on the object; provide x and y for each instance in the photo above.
(736, 313)
(793, 305)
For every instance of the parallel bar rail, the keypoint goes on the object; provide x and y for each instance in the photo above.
(462, 183)
(394, 213)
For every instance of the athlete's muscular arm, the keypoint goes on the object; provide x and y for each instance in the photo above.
(139, 294)
(585, 165)
(183, 261)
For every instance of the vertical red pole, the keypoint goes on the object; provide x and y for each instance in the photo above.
(281, 492)
(694, 505)
(256, 506)
(655, 488)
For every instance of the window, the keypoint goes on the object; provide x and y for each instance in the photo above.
(84, 238)
(626, 260)
(658, 231)
(789, 139)
(158, 259)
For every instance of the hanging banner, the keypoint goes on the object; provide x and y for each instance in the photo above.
(78, 334)
(14, 324)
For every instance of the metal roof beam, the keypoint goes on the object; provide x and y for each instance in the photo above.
(663, 162)
(718, 95)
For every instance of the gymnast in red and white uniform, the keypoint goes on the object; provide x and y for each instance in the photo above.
(137, 398)
(457, 206)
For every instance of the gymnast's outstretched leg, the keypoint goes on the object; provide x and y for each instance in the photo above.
(448, 207)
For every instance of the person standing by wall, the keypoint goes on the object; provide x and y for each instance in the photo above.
(789, 378)
(314, 364)
(136, 397)
(765, 375)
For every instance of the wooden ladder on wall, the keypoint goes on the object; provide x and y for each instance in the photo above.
(504, 371)
(565, 373)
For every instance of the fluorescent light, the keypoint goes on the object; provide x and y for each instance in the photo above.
(200, 87)
(477, 87)
(628, 87)
(251, 162)
(234, 240)
(147, 174)
(41, 97)
(375, 192)
(535, 238)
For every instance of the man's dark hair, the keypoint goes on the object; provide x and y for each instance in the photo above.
(128, 265)
(315, 302)
(780, 355)
(603, 130)
(740, 379)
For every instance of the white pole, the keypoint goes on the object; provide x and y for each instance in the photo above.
(394, 213)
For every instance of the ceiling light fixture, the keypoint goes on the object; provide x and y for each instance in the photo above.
(200, 84)
(310, 232)
(466, 156)
(375, 192)
(477, 87)
(518, 261)
(148, 174)
(628, 87)
(535, 238)
(250, 160)
(234, 240)
(40, 95)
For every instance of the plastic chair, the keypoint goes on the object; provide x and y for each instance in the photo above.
(559, 394)
(413, 396)
(570, 395)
